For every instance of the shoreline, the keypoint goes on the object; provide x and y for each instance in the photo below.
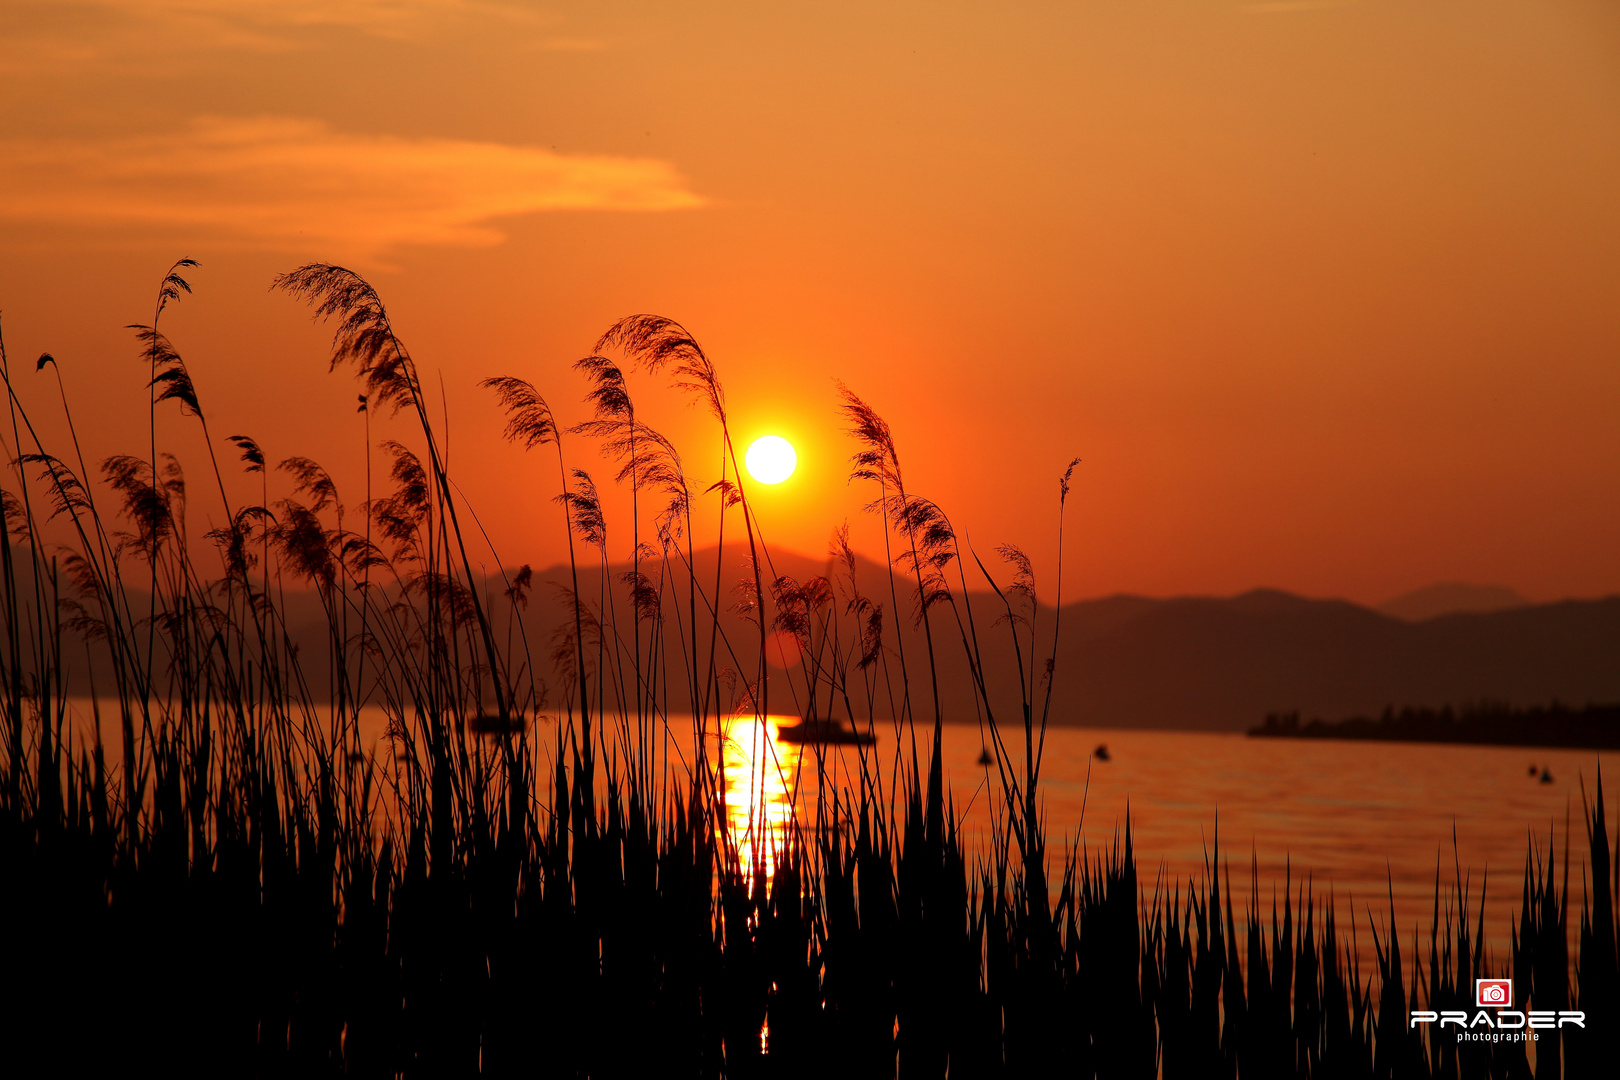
(1557, 727)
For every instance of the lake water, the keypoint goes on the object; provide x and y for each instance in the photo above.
(1358, 820)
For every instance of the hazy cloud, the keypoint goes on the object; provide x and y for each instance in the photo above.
(284, 183)
(379, 16)
(44, 35)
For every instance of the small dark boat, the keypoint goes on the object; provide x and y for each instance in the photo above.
(493, 724)
(985, 758)
(1546, 776)
(1101, 753)
(824, 733)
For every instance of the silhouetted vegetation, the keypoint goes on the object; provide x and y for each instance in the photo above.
(240, 883)
(1595, 726)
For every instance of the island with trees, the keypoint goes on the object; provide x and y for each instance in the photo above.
(1555, 725)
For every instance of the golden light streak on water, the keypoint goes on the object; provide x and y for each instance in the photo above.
(760, 773)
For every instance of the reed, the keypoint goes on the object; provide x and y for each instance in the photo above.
(246, 884)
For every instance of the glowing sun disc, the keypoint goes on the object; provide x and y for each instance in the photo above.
(771, 459)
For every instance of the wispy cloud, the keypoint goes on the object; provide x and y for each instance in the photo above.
(285, 183)
(45, 35)
(380, 16)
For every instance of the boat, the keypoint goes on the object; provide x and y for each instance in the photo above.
(493, 724)
(1101, 753)
(824, 733)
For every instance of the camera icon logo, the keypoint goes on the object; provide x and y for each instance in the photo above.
(1493, 993)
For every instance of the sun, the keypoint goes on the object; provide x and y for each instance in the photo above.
(771, 459)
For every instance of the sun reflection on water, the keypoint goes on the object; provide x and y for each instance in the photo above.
(760, 774)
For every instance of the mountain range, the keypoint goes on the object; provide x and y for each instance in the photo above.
(1207, 663)
(1450, 598)
(1223, 663)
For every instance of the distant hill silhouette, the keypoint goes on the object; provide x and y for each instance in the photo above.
(1211, 663)
(1130, 661)
(1224, 663)
(1450, 598)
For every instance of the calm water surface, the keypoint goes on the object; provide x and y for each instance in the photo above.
(1357, 820)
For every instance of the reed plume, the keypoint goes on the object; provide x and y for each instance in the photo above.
(530, 421)
(364, 337)
(656, 343)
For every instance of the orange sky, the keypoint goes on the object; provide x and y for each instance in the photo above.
(1327, 295)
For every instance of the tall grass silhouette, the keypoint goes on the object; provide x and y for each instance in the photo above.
(247, 885)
